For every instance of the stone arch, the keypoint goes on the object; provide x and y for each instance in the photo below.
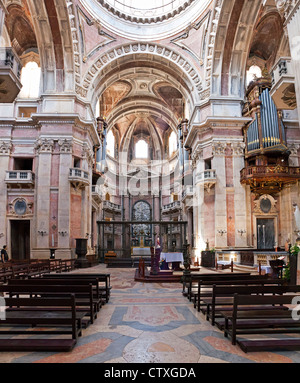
(125, 142)
(166, 59)
(53, 32)
(232, 43)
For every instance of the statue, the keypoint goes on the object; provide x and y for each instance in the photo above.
(207, 246)
(297, 217)
(158, 243)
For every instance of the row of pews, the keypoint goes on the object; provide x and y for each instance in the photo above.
(255, 312)
(34, 268)
(51, 310)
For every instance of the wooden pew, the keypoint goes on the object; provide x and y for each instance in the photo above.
(104, 278)
(97, 293)
(222, 298)
(6, 271)
(194, 278)
(48, 319)
(208, 287)
(193, 283)
(67, 265)
(83, 304)
(241, 322)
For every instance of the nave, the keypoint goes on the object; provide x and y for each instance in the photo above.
(149, 323)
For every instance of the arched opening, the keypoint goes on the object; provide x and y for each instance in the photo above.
(30, 79)
(141, 149)
(111, 142)
(253, 73)
(172, 144)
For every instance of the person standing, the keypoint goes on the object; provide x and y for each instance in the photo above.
(4, 254)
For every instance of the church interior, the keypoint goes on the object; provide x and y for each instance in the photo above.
(150, 141)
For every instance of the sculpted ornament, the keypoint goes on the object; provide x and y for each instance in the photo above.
(5, 147)
(44, 145)
(65, 146)
(219, 148)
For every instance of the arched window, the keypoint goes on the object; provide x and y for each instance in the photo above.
(253, 73)
(141, 149)
(30, 79)
(172, 143)
(110, 147)
(97, 109)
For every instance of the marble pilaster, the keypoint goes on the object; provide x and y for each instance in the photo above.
(44, 149)
(218, 163)
(5, 147)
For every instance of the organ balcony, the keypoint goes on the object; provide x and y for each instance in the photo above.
(20, 178)
(283, 84)
(270, 178)
(10, 72)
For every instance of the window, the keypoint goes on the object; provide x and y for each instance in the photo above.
(23, 163)
(110, 144)
(253, 73)
(207, 164)
(97, 110)
(30, 79)
(172, 143)
(77, 162)
(141, 149)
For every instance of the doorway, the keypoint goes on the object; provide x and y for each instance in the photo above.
(20, 239)
(266, 233)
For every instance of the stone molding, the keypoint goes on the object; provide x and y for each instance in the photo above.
(287, 8)
(211, 44)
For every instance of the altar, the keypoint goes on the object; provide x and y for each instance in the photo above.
(175, 258)
(141, 251)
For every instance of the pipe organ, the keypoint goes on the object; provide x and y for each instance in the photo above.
(267, 168)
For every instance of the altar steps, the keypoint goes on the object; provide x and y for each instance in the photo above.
(161, 277)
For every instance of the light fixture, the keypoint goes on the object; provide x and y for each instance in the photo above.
(42, 232)
(241, 231)
(63, 233)
(221, 231)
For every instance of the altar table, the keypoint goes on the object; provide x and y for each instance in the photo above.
(141, 251)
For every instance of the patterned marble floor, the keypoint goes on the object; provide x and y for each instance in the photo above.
(149, 323)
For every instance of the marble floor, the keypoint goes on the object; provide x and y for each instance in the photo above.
(149, 323)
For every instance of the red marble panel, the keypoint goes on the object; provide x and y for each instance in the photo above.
(230, 220)
(75, 216)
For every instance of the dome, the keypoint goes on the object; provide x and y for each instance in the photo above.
(146, 11)
(145, 20)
